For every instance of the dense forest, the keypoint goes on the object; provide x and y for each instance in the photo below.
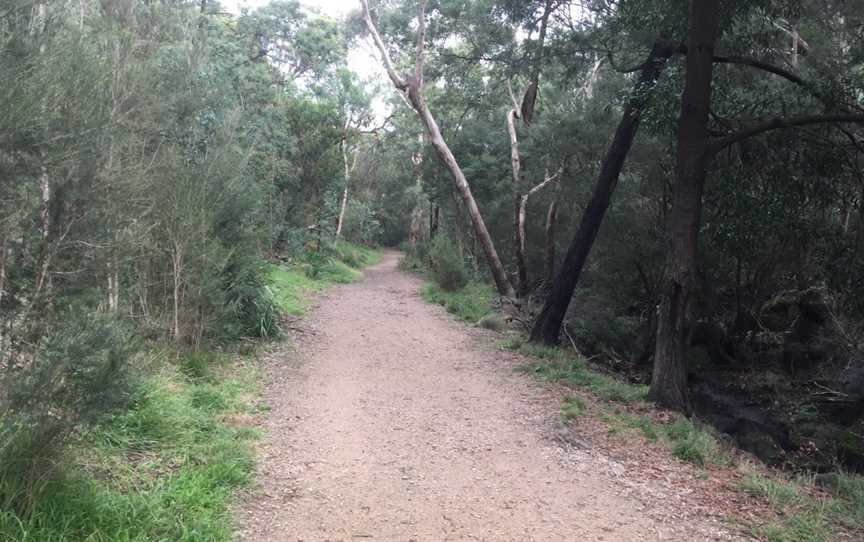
(673, 189)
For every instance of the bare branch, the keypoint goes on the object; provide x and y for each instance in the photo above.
(421, 43)
(398, 80)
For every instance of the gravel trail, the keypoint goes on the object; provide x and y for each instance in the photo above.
(391, 421)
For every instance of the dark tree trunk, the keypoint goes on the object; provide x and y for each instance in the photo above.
(549, 242)
(669, 380)
(433, 220)
(547, 327)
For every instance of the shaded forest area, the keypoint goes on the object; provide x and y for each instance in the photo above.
(674, 192)
(674, 189)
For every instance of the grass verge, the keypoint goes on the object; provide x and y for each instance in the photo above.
(620, 404)
(165, 469)
(806, 515)
(469, 303)
(291, 285)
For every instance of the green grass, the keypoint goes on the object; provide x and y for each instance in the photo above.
(572, 407)
(807, 517)
(291, 286)
(165, 469)
(470, 303)
(686, 439)
(556, 365)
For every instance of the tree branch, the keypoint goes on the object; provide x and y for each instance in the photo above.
(421, 43)
(721, 143)
(398, 80)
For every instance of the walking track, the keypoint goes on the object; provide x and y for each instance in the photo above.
(391, 421)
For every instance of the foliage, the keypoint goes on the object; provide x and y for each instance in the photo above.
(446, 264)
(80, 372)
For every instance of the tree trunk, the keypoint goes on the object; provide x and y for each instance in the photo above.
(446, 156)
(434, 215)
(413, 88)
(344, 201)
(3, 251)
(415, 229)
(521, 213)
(44, 229)
(518, 218)
(549, 239)
(177, 269)
(547, 327)
(669, 379)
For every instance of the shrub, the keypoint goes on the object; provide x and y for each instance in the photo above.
(250, 310)
(77, 373)
(448, 269)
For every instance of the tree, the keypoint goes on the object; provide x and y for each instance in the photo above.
(412, 87)
(547, 326)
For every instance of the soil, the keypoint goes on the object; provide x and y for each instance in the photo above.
(389, 420)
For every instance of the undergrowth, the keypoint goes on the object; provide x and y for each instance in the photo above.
(469, 303)
(164, 469)
(166, 465)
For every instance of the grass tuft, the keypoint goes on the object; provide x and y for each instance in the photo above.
(290, 286)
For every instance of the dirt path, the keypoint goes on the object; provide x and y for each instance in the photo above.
(401, 424)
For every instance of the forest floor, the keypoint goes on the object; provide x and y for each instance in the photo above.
(390, 420)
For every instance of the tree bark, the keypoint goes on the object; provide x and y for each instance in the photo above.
(547, 327)
(549, 239)
(518, 219)
(520, 248)
(413, 88)
(177, 271)
(44, 229)
(669, 379)
(344, 203)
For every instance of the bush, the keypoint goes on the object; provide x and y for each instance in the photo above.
(250, 310)
(448, 269)
(77, 373)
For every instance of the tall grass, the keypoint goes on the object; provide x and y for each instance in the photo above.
(165, 469)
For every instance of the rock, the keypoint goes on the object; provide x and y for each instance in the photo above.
(494, 322)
